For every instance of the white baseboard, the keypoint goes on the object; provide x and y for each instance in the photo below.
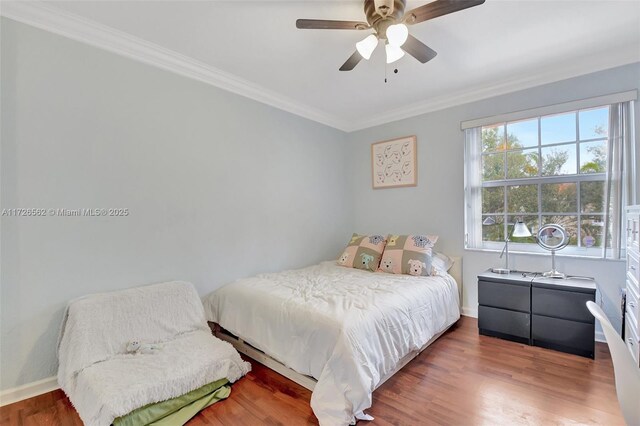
(600, 337)
(470, 312)
(29, 390)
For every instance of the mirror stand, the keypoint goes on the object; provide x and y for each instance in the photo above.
(554, 273)
(553, 237)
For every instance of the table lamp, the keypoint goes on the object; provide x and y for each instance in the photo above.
(519, 230)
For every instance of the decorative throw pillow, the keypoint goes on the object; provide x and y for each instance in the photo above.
(408, 254)
(441, 261)
(363, 252)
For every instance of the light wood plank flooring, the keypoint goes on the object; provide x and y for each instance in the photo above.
(462, 379)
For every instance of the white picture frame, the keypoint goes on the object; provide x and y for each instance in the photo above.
(394, 163)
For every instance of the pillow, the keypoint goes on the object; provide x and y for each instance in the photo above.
(408, 254)
(363, 252)
(441, 261)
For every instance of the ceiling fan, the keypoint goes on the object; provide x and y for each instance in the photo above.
(389, 22)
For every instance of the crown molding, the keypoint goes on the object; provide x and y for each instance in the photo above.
(52, 19)
(585, 65)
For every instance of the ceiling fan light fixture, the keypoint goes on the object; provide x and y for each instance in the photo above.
(367, 46)
(387, 18)
(397, 34)
(393, 53)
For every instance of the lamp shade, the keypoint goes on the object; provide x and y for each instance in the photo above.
(520, 230)
(397, 34)
(393, 53)
(367, 46)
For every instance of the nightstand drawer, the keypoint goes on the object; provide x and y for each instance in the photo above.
(506, 296)
(562, 304)
(504, 322)
(567, 336)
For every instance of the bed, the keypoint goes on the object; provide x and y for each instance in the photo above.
(340, 332)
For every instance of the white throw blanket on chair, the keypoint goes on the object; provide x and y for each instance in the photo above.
(104, 382)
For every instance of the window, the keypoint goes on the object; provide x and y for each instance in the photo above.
(546, 168)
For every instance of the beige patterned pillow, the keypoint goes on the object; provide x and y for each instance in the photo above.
(408, 254)
(363, 252)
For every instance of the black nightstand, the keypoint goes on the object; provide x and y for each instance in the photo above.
(560, 319)
(531, 309)
(505, 306)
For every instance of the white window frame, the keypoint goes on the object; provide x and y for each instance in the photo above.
(473, 217)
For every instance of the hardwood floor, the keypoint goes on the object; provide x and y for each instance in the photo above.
(461, 379)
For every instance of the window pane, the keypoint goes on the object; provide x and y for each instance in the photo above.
(593, 157)
(592, 197)
(570, 223)
(492, 228)
(523, 134)
(521, 164)
(492, 166)
(559, 198)
(559, 160)
(493, 200)
(522, 199)
(493, 138)
(558, 128)
(592, 229)
(594, 123)
(532, 223)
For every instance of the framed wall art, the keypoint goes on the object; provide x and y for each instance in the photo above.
(394, 163)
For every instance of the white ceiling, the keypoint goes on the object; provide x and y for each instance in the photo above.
(487, 49)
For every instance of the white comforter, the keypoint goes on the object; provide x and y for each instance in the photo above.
(345, 327)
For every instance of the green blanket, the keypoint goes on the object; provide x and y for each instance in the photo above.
(177, 411)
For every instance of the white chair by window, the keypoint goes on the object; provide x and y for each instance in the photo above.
(627, 373)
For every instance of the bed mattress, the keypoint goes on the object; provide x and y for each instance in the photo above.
(345, 327)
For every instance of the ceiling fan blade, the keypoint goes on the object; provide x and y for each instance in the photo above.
(323, 24)
(438, 8)
(418, 49)
(351, 62)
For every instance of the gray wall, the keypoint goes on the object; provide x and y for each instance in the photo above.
(436, 204)
(218, 186)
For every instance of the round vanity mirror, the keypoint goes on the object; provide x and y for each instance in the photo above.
(553, 237)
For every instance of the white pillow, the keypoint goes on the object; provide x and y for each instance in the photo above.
(441, 261)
